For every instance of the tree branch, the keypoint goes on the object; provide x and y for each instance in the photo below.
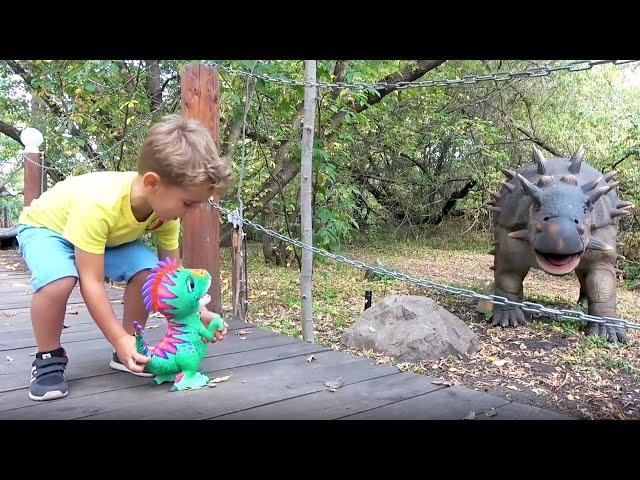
(10, 131)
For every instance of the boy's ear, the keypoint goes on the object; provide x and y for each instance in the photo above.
(151, 180)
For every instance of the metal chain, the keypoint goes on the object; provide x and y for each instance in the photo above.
(577, 66)
(464, 292)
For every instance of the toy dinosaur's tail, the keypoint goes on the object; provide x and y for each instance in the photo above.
(141, 346)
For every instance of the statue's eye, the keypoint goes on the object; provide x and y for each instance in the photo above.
(190, 284)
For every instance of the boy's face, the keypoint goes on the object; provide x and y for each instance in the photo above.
(171, 202)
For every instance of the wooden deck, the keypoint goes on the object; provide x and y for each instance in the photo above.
(271, 377)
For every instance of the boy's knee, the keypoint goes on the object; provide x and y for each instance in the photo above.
(61, 286)
(141, 276)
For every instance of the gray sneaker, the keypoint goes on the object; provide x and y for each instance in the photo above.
(47, 377)
(116, 364)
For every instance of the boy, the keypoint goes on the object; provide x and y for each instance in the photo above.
(89, 226)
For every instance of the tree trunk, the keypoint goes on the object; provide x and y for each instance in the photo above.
(153, 85)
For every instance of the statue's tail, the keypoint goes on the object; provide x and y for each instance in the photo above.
(141, 346)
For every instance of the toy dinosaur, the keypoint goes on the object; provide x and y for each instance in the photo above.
(559, 215)
(178, 293)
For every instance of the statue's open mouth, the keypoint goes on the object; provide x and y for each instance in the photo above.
(558, 264)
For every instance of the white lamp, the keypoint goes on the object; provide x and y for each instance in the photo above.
(32, 139)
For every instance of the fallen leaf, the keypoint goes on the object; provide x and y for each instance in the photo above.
(220, 379)
(371, 329)
(243, 381)
(471, 416)
(10, 314)
(72, 312)
(9, 359)
(243, 332)
(243, 338)
(539, 391)
(570, 397)
(500, 363)
(33, 354)
(513, 387)
(333, 386)
(442, 382)
(311, 359)
(491, 413)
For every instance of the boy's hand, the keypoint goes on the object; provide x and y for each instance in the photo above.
(126, 350)
(206, 316)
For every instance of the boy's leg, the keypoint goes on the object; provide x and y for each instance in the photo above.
(48, 307)
(50, 259)
(134, 309)
(131, 262)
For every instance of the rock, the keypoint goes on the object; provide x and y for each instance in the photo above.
(411, 328)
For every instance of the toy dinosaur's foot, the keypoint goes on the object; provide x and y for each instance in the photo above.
(165, 378)
(508, 316)
(609, 333)
(192, 380)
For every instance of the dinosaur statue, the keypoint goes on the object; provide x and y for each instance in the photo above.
(178, 293)
(558, 215)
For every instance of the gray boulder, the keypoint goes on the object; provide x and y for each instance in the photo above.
(411, 328)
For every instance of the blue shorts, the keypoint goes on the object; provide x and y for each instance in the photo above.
(50, 256)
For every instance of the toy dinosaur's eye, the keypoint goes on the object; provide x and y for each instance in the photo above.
(190, 284)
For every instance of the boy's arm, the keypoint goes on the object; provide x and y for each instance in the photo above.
(91, 271)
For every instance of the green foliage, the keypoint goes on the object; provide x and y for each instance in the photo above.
(385, 166)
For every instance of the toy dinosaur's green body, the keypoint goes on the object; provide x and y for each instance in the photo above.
(177, 293)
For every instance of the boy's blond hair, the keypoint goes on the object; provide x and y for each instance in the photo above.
(183, 153)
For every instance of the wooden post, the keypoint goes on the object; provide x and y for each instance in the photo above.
(239, 274)
(200, 100)
(32, 177)
(306, 213)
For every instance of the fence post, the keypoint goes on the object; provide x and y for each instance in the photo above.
(33, 178)
(200, 100)
(306, 213)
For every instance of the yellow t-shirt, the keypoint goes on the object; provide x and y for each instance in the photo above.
(93, 211)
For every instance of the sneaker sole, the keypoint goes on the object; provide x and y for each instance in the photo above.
(122, 368)
(49, 395)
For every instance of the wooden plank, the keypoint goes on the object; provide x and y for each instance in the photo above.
(453, 403)
(91, 357)
(253, 386)
(519, 411)
(348, 400)
(200, 100)
(125, 401)
(119, 380)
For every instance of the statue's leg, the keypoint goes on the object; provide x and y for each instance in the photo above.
(508, 283)
(582, 277)
(600, 283)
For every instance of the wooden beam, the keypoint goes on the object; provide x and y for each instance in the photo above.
(200, 100)
(32, 177)
(306, 213)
